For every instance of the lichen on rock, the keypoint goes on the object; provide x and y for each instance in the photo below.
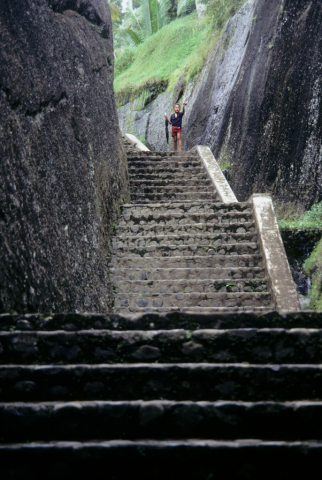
(63, 167)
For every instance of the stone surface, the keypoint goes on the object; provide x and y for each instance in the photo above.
(193, 459)
(277, 266)
(153, 384)
(63, 167)
(215, 174)
(272, 125)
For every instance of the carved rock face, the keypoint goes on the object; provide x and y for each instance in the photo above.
(63, 169)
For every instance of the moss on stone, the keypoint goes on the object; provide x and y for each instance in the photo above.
(313, 268)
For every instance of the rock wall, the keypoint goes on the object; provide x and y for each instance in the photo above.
(257, 103)
(63, 168)
(272, 128)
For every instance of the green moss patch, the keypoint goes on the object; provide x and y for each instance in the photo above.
(313, 268)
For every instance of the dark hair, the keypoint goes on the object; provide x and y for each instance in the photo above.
(176, 104)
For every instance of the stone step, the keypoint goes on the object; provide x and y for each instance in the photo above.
(145, 164)
(184, 239)
(239, 345)
(252, 345)
(162, 156)
(189, 285)
(177, 175)
(128, 301)
(172, 274)
(136, 312)
(168, 250)
(211, 261)
(158, 460)
(192, 228)
(177, 320)
(180, 208)
(170, 189)
(136, 218)
(167, 197)
(160, 419)
(170, 182)
(193, 381)
(169, 168)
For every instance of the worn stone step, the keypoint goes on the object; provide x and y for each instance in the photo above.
(171, 182)
(142, 168)
(210, 261)
(252, 345)
(136, 229)
(176, 175)
(160, 419)
(129, 219)
(171, 459)
(178, 163)
(132, 311)
(184, 239)
(180, 300)
(89, 321)
(169, 189)
(168, 250)
(190, 285)
(172, 274)
(162, 156)
(195, 381)
(170, 197)
(181, 208)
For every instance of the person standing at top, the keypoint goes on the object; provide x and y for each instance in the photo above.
(176, 122)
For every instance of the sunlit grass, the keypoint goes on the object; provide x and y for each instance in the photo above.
(178, 48)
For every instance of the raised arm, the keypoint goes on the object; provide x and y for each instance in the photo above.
(183, 107)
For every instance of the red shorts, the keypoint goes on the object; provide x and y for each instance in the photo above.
(176, 130)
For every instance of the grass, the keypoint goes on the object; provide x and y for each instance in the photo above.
(177, 51)
(313, 268)
(311, 219)
(181, 47)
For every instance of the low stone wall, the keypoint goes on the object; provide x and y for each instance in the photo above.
(215, 174)
(277, 266)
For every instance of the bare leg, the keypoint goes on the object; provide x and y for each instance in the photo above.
(179, 141)
(175, 143)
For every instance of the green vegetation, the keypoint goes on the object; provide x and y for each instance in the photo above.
(313, 268)
(179, 50)
(311, 219)
(142, 22)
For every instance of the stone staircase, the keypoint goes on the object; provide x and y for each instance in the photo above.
(167, 396)
(219, 388)
(177, 247)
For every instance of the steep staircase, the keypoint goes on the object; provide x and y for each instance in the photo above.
(234, 393)
(178, 248)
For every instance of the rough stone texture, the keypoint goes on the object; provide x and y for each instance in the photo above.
(141, 254)
(63, 168)
(159, 419)
(299, 244)
(272, 126)
(151, 322)
(168, 383)
(191, 459)
(147, 123)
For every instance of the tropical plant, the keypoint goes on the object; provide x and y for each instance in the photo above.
(142, 22)
(116, 13)
(186, 6)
